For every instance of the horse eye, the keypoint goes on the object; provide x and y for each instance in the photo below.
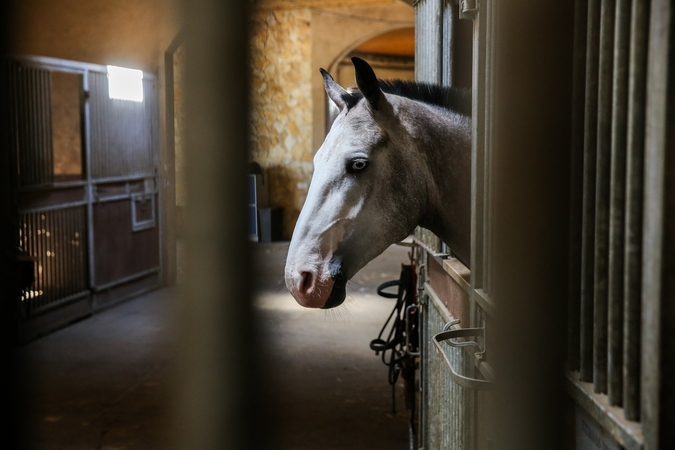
(358, 165)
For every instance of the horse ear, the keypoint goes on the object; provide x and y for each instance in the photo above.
(339, 95)
(368, 84)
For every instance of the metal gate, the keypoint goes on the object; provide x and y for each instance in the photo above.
(617, 248)
(606, 306)
(452, 49)
(86, 189)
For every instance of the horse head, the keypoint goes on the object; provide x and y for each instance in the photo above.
(365, 192)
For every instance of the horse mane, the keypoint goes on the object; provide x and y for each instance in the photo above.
(450, 98)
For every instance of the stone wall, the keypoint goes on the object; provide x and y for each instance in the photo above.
(281, 114)
(288, 46)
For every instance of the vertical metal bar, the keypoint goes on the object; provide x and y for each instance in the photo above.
(68, 263)
(477, 163)
(73, 255)
(602, 196)
(490, 30)
(634, 195)
(90, 86)
(576, 185)
(448, 42)
(429, 68)
(39, 256)
(47, 148)
(220, 392)
(38, 131)
(28, 146)
(588, 201)
(40, 139)
(48, 236)
(658, 136)
(44, 280)
(67, 268)
(52, 223)
(57, 238)
(617, 204)
(31, 123)
(533, 87)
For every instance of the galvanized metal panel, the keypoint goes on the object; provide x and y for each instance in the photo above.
(609, 314)
(428, 44)
(57, 240)
(449, 420)
(32, 97)
(121, 130)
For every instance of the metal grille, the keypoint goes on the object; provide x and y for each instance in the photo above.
(448, 409)
(57, 240)
(433, 64)
(121, 130)
(428, 48)
(606, 250)
(32, 103)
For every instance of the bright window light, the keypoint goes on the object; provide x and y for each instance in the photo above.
(125, 84)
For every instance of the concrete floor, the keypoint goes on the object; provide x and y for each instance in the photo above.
(105, 382)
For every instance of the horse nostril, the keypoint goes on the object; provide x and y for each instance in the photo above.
(306, 283)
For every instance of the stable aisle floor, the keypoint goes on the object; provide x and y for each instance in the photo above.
(104, 383)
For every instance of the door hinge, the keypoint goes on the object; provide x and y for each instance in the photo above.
(468, 9)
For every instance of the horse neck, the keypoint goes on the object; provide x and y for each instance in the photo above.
(446, 144)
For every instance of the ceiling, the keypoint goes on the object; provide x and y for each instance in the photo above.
(399, 42)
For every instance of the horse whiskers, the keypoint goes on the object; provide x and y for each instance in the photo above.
(340, 313)
(355, 283)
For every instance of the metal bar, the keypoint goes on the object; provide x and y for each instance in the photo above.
(448, 43)
(53, 207)
(47, 148)
(603, 154)
(576, 185)
(114, 198)
(477, 156)
(25, 139)
(220, 394)
(429, 66)
(60, 185)
(658, 132)
(634, 196)
(588, 201)
(66, 249)
(488, 159)
(133, 277)
(68, 65)
(617, 204)
(40, 140)
(88, 81)
(459, 379)
(59, 303)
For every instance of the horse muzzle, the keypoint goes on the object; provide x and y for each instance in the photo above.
(313, 291)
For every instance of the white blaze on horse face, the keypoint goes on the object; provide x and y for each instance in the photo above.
(331, 204)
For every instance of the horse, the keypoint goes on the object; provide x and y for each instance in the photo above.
(397, 157)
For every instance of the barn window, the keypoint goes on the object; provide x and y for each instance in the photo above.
(125, 84)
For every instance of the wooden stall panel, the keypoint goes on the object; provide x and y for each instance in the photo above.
(453, 296)
(120, 251)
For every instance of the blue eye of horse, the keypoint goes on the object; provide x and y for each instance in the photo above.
(356, 165)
